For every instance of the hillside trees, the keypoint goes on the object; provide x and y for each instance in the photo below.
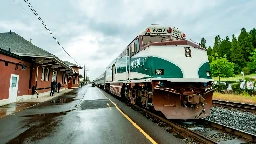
(240, 51)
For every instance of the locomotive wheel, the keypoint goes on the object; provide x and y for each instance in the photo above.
(138, 101)
(150, 107)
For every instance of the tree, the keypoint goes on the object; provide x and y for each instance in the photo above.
(203, 42)
(236, 55)
(245, 43)
(221, 67)
(216, 45)
(80, 76)
(209, 54)
(253, 36)
(224, 48)
(252, 64)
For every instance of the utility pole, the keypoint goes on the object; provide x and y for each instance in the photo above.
(84, 73)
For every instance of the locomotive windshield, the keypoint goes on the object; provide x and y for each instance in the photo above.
(155, 38)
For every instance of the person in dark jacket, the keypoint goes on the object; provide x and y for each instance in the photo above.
(59, 85)
(53, 86)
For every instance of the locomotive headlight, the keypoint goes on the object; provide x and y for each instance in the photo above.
(187, 51)
(188, 55)
(208, 73)
(159, 71)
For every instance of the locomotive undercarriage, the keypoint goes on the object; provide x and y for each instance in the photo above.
(175, 100)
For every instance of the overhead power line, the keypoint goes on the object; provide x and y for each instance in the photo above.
(43, 23)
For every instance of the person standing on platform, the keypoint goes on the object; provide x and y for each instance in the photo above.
(53, 86)
(59, 85)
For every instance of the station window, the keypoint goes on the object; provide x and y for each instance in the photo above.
(47, 74)
(42, 74)
(74, 80)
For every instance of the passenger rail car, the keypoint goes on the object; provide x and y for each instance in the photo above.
(162, 70)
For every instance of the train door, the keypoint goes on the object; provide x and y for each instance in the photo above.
(113, 72)
(128, 63)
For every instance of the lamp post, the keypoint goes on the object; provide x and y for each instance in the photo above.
(85, 74)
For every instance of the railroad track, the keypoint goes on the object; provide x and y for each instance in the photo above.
(248, 136)
(199, 131)
(175, 128)
(237, 105)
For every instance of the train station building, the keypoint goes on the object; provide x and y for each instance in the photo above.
(24, 67)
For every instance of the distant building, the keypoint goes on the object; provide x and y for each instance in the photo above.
(74, 78)
(24, 65)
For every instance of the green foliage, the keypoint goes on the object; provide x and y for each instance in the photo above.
(209, 51)
(219, 87)
(221, 67)
(236, 88)
(246, 70)
(224, 48)
(238, 50)
(203, 42)
(252, 63)
(253, 37)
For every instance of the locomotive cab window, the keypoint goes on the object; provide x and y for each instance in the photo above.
(187, 51)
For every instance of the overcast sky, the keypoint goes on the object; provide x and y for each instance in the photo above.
(94, 32)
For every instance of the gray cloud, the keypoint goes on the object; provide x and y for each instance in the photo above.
(95, 32)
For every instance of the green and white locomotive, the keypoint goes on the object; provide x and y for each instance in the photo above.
(162, 70)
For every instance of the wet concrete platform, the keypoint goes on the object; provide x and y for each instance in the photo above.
(81, 116)
(153, 130)
(25, 104)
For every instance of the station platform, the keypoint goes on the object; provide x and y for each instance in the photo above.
(12, 108)
(87, 115)
(114, 122)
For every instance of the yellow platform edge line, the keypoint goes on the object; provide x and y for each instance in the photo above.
(130, 120)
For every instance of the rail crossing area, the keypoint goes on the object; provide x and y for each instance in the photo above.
(90, 115)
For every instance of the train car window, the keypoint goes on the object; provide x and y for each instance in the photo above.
(137, 46)
(132, 49)
(124, 53)
(127, 51)
(113, 71)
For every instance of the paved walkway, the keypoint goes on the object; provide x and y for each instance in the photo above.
(12, 108)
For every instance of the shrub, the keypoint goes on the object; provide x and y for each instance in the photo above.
(236, 88)
(220, 87)
(246, 70)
